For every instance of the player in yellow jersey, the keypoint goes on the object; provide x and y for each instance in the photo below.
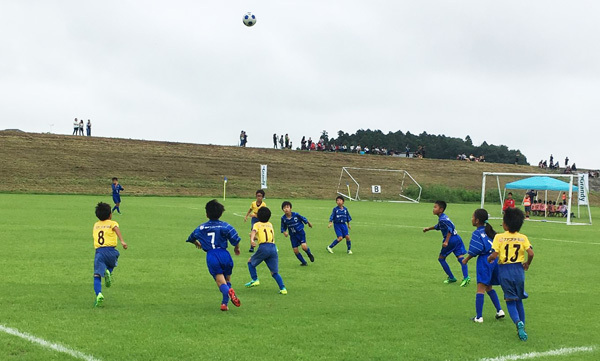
(267, 251)
(105, 235)
(253, 211)
(509, 248)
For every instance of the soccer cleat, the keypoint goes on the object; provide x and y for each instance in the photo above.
(283, 291)
(500, 314)
(521, 331)
(99, 300)
(477, 319)
(251, 249)
(224, 307)
(234, 299)
(311, 257)
(329, 249)
(449, 280)
(303, 264)
(465, 281)
(107, 278)
(349, 252)
(253, 283)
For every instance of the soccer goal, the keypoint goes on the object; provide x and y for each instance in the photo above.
(384, 185)
(550, 191)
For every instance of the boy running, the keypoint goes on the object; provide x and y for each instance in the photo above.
(294, 223)
(340, 219)
(452, 243)
(105, 233)
(212, 237)
(116, 194)
(253, 211)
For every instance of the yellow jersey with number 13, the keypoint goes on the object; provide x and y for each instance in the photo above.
(511, 247)
(104, 234)
(264, 232)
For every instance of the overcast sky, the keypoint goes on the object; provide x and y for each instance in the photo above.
(521, 73)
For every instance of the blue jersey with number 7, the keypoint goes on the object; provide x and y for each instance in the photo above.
(214, 235)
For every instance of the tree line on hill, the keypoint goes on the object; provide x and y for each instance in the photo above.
(437, 146)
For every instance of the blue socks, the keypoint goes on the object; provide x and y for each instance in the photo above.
(117, 208)
(97, 285)
(308, 251)
(465, 268)
(300, 258)
(521, 310)
(511, 306)
(446, 267)
(334, 243)
(225, 291)
(252, 270)
(349, 244)
(279, 280)
(494, 297)
(479, 304)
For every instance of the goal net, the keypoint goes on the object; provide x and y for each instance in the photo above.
(385, 185)
(558, 198)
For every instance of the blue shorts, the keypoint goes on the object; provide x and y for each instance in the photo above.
(455, 245)
(512, 280)
(527, 208)
(253, 220)
(341, 229)
(116, 198)
(219, 261)
(106, 257)
(266, 252)
(297, 239)
(487, 273)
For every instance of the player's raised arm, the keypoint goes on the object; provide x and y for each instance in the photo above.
(118, 233)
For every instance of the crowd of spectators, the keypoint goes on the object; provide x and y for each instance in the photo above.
(470, 158)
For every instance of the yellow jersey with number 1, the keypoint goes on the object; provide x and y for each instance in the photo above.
(104, 234)
(264, 232)
(511, 247)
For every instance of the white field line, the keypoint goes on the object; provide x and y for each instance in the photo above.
(531, 355)
(47, 344)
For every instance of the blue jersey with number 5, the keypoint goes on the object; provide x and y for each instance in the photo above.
(214, 235)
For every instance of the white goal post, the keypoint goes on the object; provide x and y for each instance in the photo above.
(575, 181)
(385, 185)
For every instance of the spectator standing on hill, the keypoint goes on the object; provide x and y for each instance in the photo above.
(517, 158)
(310, 142)
(407, 151)
(287, 140)
(566, 162)
(81, 127)
(303, 143)
(274, 140)
(75, 126)
(245, 138)
(89, 128)
(551, 161)
(281, 142)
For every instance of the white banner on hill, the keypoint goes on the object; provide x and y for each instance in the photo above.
(583, 184)
(263, 176)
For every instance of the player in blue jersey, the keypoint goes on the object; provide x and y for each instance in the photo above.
(212, 238)
(340, 219)
(293, 223)
(116, 190)
(452, 243)
(487, 273)
(509, 249)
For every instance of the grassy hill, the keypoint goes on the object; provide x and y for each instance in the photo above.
(49, 163)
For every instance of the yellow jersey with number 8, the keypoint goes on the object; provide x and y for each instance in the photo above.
(511, 247)
(104, 234)
(264, 232)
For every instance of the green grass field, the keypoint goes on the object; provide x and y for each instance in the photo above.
(384, 302)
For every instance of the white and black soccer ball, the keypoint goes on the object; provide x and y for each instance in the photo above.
(249, 19)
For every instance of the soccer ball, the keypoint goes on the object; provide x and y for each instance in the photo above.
(249, 19)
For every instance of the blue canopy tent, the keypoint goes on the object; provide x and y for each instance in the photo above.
(541, 184)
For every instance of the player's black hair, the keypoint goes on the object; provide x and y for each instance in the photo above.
(340, 197)
(103, 211)
(264, 214)
(115, 179)
(214, 210)
(483, 216)
(510, 193)
(286, 203)
(260, 191)
(513, 218)
(441, 204)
